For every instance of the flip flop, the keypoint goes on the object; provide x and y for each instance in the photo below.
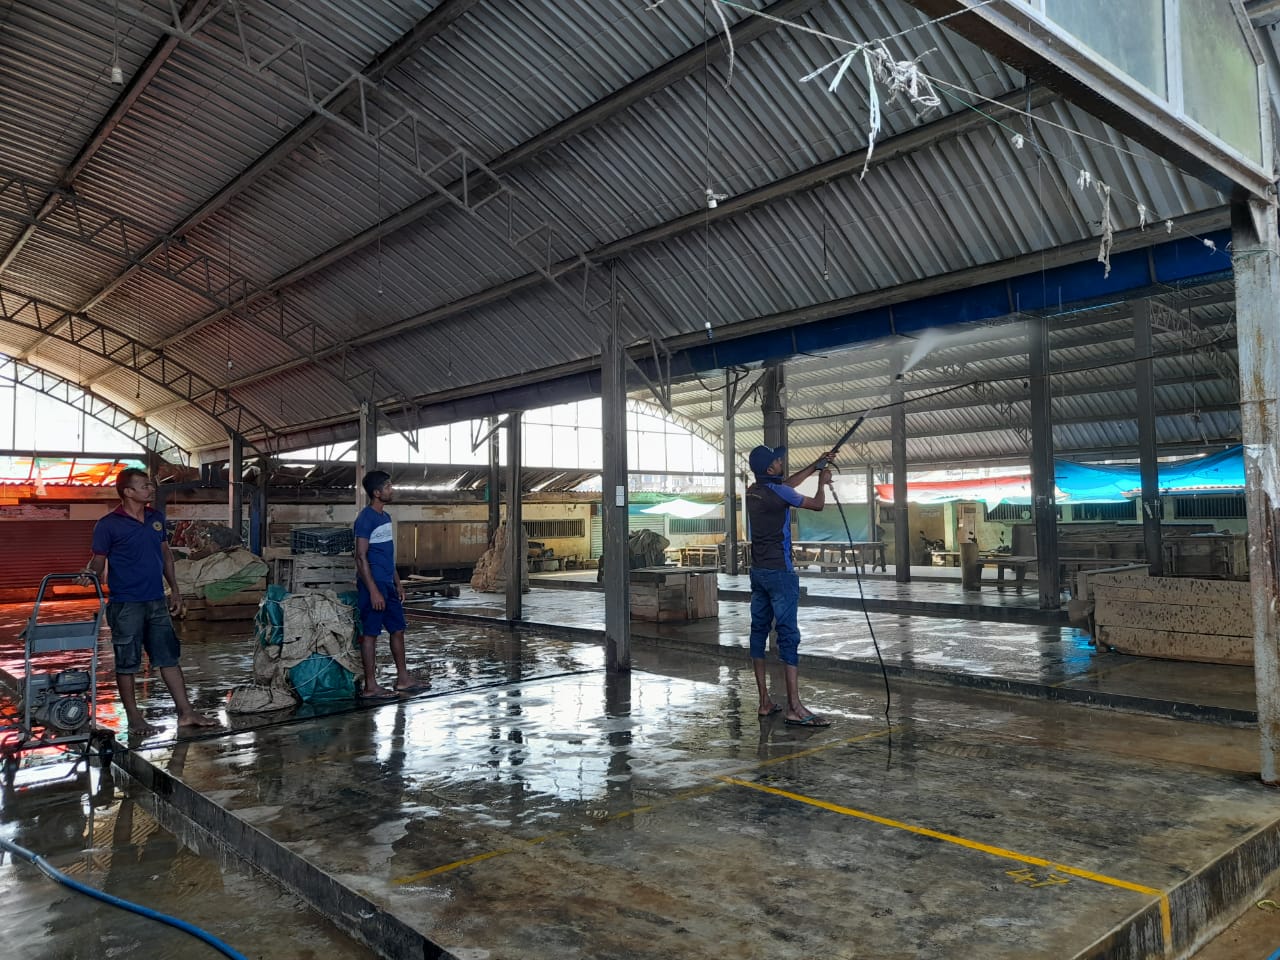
(812, 720)
(420, 686)
(774, 709)
(377, 697)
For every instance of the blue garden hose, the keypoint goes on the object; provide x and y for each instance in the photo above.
(43, 866)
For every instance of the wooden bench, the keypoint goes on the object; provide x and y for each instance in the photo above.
(1005, 562)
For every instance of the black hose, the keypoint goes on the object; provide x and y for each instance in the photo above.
(857, 575)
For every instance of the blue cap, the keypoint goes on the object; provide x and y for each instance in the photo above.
(761, 457)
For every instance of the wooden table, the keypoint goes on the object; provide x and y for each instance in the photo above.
(1003, 562)
(837, 555)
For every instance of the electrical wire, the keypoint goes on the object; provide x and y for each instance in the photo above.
(22, 853)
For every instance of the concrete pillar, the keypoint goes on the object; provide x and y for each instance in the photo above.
(366, 448)
(613, 505)
(901, 517)
(729, 435)
(516, 558)
(494, 488)
(1256, 261)
(1043, 495)
(1152, 506)
(235, 485)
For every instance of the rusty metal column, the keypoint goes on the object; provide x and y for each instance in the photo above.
(366, 447)
(873, 509)
(901, 515)
(774, 407)
(1043, 496)
(729, 437)
(1256, 261)
(494, 490)
(235, 485)
(613, 504)
(1144, 381)
(516, 558)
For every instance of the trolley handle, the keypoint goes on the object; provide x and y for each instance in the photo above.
(77, 576)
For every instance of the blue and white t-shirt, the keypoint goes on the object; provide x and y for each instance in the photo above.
(769, 503)
(375, 526)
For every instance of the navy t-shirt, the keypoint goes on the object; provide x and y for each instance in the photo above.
(769, 504)
(375, 527)
(135, 559)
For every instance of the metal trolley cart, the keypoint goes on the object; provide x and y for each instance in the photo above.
(56, 708)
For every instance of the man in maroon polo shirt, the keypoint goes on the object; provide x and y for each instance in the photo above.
(132, 544)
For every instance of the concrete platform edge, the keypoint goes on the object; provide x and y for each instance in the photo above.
(1201, 906)
(1147, 706)
(185, 811)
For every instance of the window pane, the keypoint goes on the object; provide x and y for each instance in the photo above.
(1129, 33)
(1219, 77)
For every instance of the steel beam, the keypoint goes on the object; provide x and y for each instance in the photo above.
(1144, 387)
(235, 484)
(1256, 252)
(1043, 496)
(901, 514)
(517, 559)
(614, 498)
(366, 449)
(728, 447)
(152, 366)
(494, 488)
(92, 405)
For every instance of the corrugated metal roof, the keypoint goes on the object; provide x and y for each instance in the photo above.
(445, 305)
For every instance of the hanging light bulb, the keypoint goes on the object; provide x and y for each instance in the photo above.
(117, 75)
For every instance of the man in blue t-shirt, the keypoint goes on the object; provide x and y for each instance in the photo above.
(775, 588)
(381, 595)
(132, 544)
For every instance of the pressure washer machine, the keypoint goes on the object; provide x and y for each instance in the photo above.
(57, 694)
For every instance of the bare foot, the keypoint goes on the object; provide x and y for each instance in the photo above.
(139, 727)
(769, 709)
(194, 719)
(412, 685)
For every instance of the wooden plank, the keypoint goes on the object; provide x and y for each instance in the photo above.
(1165, 645)
(1234, 620)
(244, 611)
(1187, 591)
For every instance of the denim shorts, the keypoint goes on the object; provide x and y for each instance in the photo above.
(142, 625)
(390, 618)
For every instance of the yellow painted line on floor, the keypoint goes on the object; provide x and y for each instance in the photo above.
(1166, 920)
(622, 815)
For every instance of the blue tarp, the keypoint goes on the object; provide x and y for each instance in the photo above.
(1220, 473)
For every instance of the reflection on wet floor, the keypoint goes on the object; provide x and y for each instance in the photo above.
(101, 835)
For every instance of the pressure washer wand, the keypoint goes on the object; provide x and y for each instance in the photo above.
(825, 463)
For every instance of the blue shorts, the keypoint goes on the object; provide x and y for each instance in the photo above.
(775, 597)
(391, 618)
(138, 625)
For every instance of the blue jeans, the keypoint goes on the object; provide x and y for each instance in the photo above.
(775, 596)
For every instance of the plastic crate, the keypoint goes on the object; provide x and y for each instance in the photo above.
(327, 540)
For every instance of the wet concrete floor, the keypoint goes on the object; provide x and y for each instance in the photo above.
(529, 807)
(104, 834)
